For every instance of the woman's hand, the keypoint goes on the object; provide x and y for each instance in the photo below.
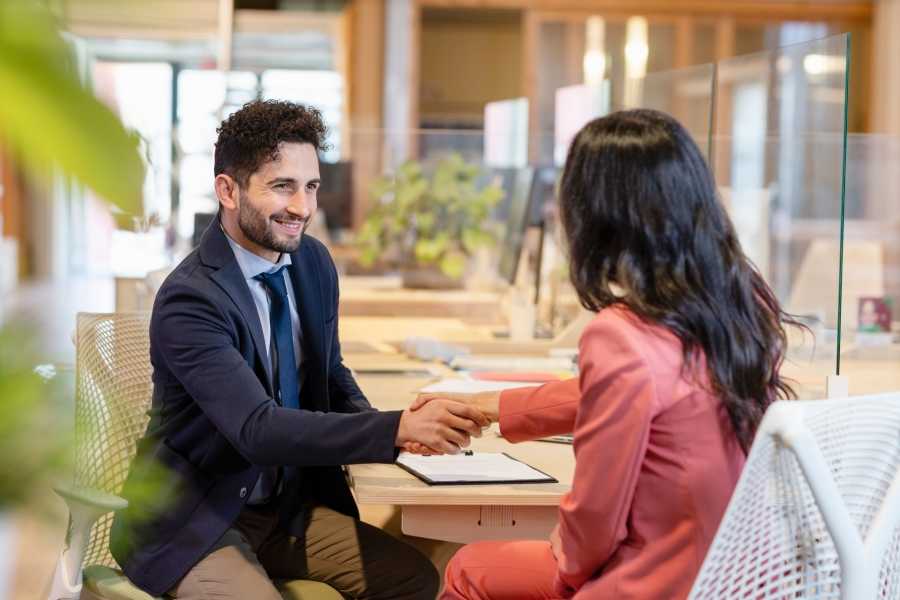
(556, 543)
(488, 403)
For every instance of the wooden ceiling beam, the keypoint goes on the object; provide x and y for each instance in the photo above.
(848, 10)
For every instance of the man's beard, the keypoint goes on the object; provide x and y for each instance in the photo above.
(258, 228)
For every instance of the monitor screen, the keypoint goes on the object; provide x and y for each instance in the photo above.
(336, 194)
(542, 195)
(517, 204)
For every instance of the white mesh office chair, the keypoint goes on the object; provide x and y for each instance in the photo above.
(816, 511)
(113, 393)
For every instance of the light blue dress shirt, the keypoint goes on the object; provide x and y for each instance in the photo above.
(252, 265)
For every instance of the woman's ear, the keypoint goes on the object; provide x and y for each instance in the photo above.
(227, 191)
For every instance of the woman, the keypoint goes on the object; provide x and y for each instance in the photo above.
(676, 370)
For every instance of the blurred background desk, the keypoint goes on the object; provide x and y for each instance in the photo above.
(474, 306)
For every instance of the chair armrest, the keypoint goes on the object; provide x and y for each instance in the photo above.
(90, 498)
(86, 505)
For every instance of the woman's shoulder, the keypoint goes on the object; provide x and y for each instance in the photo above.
(619, 319)
(617, 329)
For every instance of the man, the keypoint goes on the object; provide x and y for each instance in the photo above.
(253, 410)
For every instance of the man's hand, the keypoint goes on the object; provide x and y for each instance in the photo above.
(440, 425)
(417, 448)
(487, 403)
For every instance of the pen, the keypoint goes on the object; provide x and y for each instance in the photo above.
(469, 452)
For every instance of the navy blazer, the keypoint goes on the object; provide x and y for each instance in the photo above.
(214, 423)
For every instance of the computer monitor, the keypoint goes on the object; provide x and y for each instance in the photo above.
(517, 220)
(542, 194)
(335, 196)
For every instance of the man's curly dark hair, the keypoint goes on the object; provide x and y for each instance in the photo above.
(250, 137)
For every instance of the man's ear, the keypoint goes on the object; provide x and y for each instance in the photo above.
(227, 191)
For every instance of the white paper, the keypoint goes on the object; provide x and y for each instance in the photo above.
(472, 386)
(476, 468)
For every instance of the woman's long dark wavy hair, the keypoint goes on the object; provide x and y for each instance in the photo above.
(640, 211)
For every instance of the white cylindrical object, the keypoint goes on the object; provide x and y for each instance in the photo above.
(837, 386)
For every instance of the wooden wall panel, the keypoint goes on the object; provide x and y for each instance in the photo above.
(143, 19)
(365, 47)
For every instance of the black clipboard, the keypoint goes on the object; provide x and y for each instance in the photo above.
(544, 477)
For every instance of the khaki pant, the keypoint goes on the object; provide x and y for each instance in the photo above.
(358, 560)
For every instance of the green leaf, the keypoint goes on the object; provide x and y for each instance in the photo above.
(48, 118)
(453, 264)
(472, 239)
(409, 195)
(491, 195)
(380, 187)
(410, 170)
(368, 256)
(428, 251)
(425, 221)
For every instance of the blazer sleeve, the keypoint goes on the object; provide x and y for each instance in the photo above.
(535, 412)
(194, 339)
(618, 402)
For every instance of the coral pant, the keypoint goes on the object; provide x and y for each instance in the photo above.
(518, 570)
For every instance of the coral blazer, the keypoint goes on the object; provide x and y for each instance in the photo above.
(656, 461)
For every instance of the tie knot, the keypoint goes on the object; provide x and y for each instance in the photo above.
(274, 280)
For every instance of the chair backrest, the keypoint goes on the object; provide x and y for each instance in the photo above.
(113, 393)
(816, 511)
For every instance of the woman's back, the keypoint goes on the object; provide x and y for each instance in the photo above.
(657, 460)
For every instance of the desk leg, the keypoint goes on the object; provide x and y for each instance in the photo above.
(463, 524)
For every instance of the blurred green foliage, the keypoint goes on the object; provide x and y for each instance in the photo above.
(35, 427)
(51, 123)
(422, 221)
(48, 118)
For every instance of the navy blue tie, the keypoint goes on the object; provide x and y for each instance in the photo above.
(287, 386)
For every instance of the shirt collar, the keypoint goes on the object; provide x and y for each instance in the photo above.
(251, 264)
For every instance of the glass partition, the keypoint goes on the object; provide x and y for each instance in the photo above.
(773, 127)
(778, 155)
(870, 352)
(686, 94)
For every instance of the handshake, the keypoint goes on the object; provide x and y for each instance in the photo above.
(446, 423)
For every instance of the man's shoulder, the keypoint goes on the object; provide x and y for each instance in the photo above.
(190, 277)
(184, 272)
(313, 248)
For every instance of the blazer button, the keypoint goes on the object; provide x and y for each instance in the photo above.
(243, 492)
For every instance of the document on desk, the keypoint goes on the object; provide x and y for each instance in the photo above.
(475, 468)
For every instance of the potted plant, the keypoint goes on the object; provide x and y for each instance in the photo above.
(429, 226)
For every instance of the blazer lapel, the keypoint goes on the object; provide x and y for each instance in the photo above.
(215, 252)
(306, 279)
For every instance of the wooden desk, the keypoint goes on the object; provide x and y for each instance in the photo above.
(469, 512)
(464, 513)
